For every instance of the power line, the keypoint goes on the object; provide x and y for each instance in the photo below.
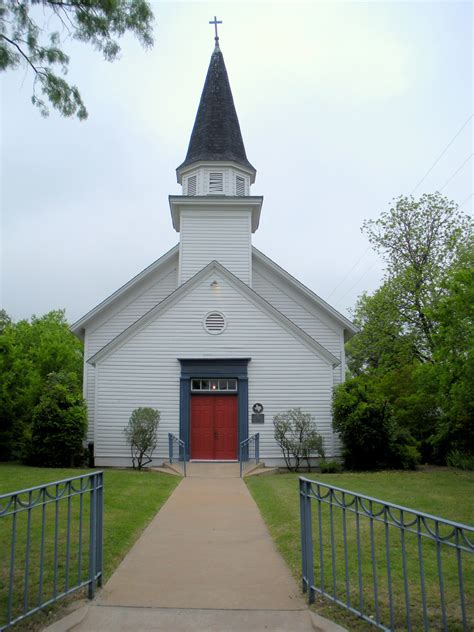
(456, 172)
(442, 153)
(466, 200)
(348, 273)
(416, 187)
(357, 282)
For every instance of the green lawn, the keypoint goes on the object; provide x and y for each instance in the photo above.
(131, 499)
(444, 492)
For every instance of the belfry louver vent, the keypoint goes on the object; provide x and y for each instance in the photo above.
(192, 185)
(216, 182)
(239, 185)
(214, 323)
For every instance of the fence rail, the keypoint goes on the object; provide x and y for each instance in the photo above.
(177, 451)
(52, 544)
(249, 452)
(394, 567)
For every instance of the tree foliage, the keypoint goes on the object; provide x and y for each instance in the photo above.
(59, 423)
(453, 358)
(419, 240)
(296, 434)
(141, 435)
(26, 38)
(415, 347)
(29, 352)
(371, 439)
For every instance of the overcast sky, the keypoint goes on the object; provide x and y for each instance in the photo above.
(342, 106)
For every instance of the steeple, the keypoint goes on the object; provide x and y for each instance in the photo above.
(216, 214)
(216, 135)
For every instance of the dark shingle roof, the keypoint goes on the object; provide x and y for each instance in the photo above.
(216, 133)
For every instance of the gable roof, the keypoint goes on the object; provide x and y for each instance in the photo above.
(216, 133)
(78, 327)
(300, 287)
(243, 288)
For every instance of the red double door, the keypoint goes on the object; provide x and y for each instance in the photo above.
(214, 427)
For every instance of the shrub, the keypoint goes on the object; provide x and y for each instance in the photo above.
(459, 459)
(369, 434)
(330, 467)
(141, 435)
(295, 433)
(56, 436)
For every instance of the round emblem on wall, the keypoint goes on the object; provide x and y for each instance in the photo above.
(257, 408)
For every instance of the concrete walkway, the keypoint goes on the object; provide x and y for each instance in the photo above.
(205, 562)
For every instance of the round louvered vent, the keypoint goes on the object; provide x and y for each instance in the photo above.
(214, 323)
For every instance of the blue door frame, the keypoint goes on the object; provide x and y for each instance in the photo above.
(231, 368)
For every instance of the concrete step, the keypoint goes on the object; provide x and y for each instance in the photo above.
(260, 470)
(170, 468)
(97, 618)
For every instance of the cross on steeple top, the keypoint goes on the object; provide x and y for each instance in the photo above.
(215, 21)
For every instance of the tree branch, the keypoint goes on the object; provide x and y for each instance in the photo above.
(23, 54)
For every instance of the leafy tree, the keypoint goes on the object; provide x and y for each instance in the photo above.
(371, 439)
(5, 320)
(419, 240)
(296, 434)
(412, 390)
(29, 352)
(23, 40)
(56, 437)
(414, 350)
(454, 358)
(141, 435)
(382, 342)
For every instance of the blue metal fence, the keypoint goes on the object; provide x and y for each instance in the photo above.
(177, 451)
(249, 452)
(394, 567)
(52, 544)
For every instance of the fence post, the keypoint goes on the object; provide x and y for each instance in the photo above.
(184, 459)
(308, 536)
(303, 535)
(100, 529)
(92, 537)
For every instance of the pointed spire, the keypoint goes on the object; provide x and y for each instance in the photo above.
(216, 133)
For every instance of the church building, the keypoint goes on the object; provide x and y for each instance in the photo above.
(214, 334)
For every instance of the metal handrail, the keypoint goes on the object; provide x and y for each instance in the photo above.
(172, 440)
(74, 540)
(369, 526)
(245, 448)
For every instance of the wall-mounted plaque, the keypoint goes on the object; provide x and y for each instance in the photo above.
(258, 418)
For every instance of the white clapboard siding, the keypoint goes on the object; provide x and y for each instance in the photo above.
(145, 371)
(142, 300)
(307, 316)
(223, 236)
(297, 309)
(275, 292)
